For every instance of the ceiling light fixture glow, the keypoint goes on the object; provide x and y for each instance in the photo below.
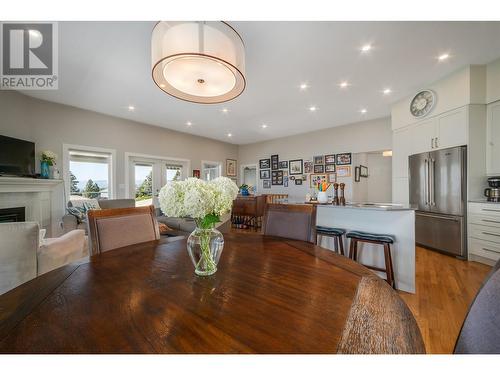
(387, 91)
(225, 110)
(200, 62)
(189, 123)
(387, 153)
(229, 135)
(363, 111)
(366, 48)
(344, 84)
(264, 126)
(313, 108)
(131, 108)
(443, 57)
(303, 86)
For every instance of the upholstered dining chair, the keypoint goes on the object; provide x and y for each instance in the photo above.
(292, 221)
(117, 227)
(480, 333)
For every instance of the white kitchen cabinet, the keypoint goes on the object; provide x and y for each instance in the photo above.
(493, 139)
(451, 129)
(484, 232)
(423, 136)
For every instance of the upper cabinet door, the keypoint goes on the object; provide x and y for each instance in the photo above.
(422, 136)
(452, 129)
(493, 139)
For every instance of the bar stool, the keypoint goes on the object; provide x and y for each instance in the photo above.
(379, 239)
(335, 233)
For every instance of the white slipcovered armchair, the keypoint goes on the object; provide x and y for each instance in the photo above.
(23, 258)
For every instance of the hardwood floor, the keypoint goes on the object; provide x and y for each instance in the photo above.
(445, 286)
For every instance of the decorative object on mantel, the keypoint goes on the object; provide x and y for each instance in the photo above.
(330, 159)
(344, 171)
(198, 61)
(196, 173)
(274, 162)
(344, 159)
(47, 160)
(266, 184)
(230, 167)
(363, 171)
(205, 202)
(330, 168)
(264, 163)
(357, 174)
(319, 159)
(295, 166)
(265, 174)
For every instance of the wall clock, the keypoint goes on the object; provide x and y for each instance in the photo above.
(422, 103)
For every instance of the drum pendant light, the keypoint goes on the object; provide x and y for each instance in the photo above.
(201, 62)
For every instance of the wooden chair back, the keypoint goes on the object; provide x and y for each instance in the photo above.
(117, 227)
(292, 221)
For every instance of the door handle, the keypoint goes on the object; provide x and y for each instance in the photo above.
(439, 217)
(432, 142)
(432, 164)
(436, 142)
(491, 234)
(493, 251)
(490, 209)
(490, 221)
(426, 184)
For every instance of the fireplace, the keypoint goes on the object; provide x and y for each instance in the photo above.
(12, 215)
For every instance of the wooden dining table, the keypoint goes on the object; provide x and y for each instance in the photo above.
(269, 295)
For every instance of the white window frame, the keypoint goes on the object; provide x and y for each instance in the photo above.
(203, 162)
(111, 170)
(152, 159)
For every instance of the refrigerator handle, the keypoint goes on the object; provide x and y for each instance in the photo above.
(426, 184)
(432, 166)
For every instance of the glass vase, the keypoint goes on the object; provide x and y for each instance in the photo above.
(205, 247)
(44, 169)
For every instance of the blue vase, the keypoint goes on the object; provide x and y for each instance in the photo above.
(44, 169)
(244, 192)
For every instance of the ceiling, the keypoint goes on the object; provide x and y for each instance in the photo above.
(106, 67)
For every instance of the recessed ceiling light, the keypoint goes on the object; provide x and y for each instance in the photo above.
(366, 48)
(363, 111)
(313, 108)
(443, 57)
(304, 86)
(225, 110)
(264, 126)
(344, 84)
(189, 123)
(387, 91)
(131, 108)
(229, 135)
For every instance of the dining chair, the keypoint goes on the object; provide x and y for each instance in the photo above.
(480, 333)
(117, 227)
(292, 221)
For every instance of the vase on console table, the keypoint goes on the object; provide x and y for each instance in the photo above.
(322, 197)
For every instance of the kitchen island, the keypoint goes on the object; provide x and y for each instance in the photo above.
(396, 220)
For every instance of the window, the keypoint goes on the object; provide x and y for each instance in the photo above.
(89, 173)
(173, 172)
(210, 170)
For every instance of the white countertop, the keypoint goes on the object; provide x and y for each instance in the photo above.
(482, 201)
(371, 206)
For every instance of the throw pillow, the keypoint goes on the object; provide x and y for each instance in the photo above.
(78, 212)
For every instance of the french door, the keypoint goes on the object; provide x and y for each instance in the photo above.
(147, 176)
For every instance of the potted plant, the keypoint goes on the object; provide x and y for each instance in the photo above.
(205, 202)
(244, 190)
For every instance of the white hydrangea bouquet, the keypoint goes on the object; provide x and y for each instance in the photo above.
(205, 202)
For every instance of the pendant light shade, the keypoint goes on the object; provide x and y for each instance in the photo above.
(201, 62)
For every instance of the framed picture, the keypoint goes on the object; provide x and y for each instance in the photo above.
(317, 179)
(330, 159)
(265, 174)
(230, 167)
(285, 173)
(344, 171)
(356, 174)
(295, 166)
(332, 178)
(363, 171)
(266, 184)
(308, 167)
(319, 160)
(329, 168)
(298, 182)
(319, 168)
(276, 177)
(344, 159)
(196, 173)
(264, 163)
(285, 181)
(274, 162)
(283, 164)
(304, 177)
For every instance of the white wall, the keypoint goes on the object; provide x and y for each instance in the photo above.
(51, 125)
(493, 81)
(373, 135)
(377, 187)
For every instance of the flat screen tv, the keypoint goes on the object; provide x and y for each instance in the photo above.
(17, 157)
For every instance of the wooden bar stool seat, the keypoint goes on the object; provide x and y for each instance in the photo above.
(335, 233)
(378, 239)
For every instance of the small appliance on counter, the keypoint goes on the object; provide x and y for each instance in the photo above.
(492, 193)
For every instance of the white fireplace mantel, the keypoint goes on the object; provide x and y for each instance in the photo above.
(26, 185)
(43, 200)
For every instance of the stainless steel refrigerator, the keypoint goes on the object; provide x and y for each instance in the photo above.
(438, 188)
